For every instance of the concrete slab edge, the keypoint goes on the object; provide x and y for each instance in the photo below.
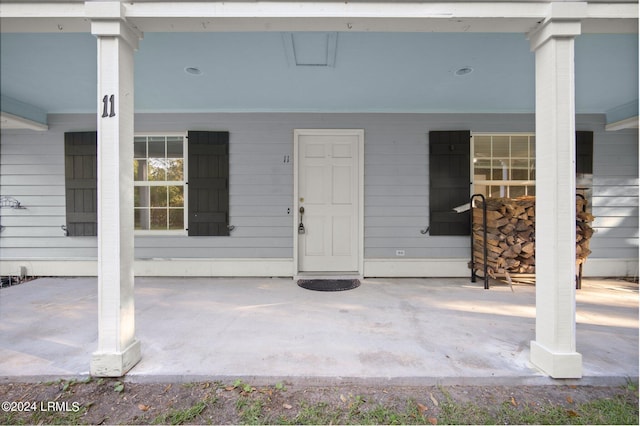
(345, 381)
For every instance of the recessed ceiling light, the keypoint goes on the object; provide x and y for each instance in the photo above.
(463, 71)
(193, 71)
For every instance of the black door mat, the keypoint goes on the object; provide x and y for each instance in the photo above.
(329, 285)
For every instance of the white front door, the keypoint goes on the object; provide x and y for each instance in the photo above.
(328, 200)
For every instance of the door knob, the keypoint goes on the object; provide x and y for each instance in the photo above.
(301, 225)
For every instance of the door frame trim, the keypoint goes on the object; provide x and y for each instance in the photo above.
(296, 217)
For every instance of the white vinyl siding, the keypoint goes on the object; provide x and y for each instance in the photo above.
(32, 170)
(261, 185)
(615, 195)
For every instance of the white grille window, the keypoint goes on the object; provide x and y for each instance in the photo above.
(159, 183)
(504, 165)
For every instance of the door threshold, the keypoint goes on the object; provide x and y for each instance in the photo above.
(327, 276)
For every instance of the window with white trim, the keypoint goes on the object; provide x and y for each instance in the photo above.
(159, 183)
(504, 164)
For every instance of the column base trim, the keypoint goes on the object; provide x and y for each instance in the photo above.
(115, 364)
(559, 365)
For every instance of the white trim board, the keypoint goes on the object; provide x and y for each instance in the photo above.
(610, 268)
(214, 267)
(383, 267)
(156, 267)
(448, 16)
(50, 267)
(413, 268)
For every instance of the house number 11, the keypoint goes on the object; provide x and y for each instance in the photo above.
(109, 111)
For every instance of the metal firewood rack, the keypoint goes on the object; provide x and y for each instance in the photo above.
(485, 249)
(485, 275)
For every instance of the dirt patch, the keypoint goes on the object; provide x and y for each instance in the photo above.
(107, 401)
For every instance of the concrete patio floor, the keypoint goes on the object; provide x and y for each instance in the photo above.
(426, 331)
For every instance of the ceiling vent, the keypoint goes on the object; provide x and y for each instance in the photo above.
(311, 49)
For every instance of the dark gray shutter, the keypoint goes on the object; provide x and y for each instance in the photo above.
(449, 180)
(208, 183)
(81, 183)
(584, 152)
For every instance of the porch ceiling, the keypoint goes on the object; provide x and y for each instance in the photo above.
(335, 68)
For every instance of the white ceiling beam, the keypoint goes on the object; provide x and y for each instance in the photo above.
(332, 24)
(450, 9)
(337, 16)
(26, 17)
(627, 123)
(612, 18)
(11, 121)
(443, 16)
(26, 9)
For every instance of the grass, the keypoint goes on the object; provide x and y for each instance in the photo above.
(250, 411)
(245, 404)
(613, 411)
(178, 417)
(380, 414)
(620, 410)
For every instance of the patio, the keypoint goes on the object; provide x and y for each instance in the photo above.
(403, 330)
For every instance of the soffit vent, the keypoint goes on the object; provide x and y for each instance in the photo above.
(310, 49)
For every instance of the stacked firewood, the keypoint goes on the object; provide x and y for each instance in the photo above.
(584, 231)
(511, 235)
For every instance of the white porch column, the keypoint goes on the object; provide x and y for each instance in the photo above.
(554, 350)
(118, 349)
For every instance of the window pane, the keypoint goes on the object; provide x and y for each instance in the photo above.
(140, 170)
(158, 196)
(494, 191)
(176, 196)
(157, 169)
(482, 146)
(137, 222)
(176, 218)
(531, 190)
(500, 170)
(158, 219)
(482, 168)
(156, 148)
(140, 147)
(519, 169)
(501, 146)
(532, 169)
(532, 147)
(520, 146)
(175, 170)
(516, 191)
(141, 218)
(141, 196)
(174, 147)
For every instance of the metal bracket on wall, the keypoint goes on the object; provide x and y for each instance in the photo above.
(11, 203)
